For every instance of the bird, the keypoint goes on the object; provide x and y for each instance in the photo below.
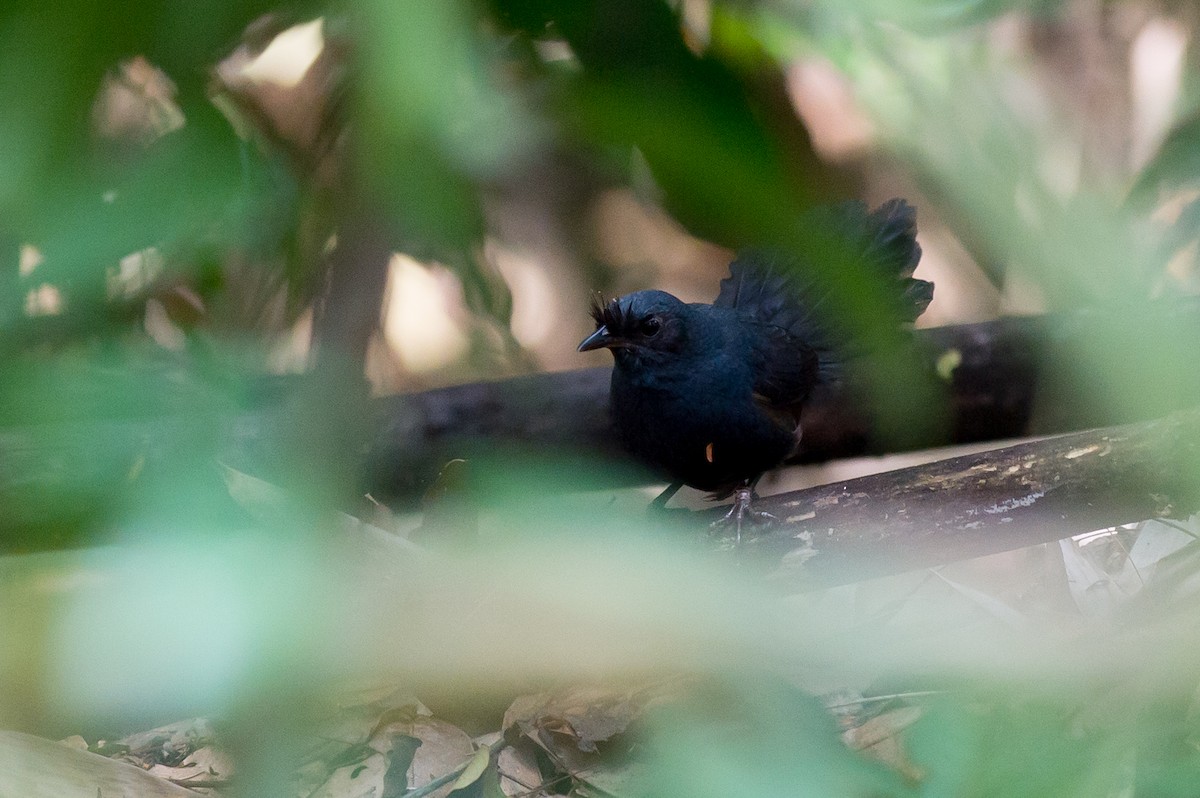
(710, 395)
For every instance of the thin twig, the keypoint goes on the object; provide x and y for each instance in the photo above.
(531, 791)
(200, 784)
(875, 699)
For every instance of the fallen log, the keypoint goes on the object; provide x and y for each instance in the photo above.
(980, 504)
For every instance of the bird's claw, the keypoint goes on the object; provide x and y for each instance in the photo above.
(740, 512)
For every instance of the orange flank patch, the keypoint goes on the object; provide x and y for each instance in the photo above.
(708, 453)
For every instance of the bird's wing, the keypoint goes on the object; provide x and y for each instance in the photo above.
(785, 368)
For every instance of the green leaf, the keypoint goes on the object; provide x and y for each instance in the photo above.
(1175, 166)
(474, 769)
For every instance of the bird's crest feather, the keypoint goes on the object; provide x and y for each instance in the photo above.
(609, 314)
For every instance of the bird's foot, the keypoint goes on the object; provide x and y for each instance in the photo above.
(741, 512)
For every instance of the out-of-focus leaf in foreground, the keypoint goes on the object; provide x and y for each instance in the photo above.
(760, 738)
(1003, 162)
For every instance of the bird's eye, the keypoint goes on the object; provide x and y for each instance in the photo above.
(650, 326)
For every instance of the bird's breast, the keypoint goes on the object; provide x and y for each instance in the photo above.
(703, 429)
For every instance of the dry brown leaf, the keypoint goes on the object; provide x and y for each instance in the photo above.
(371, 731)
(519, 771)
(444, 748)
(571, 724)
(75, 741)
(34, 766)
(205, 764)
(381, 743)
(166, 745)
(880, 738)
(586, 715)
(881, 727)
(359, 780)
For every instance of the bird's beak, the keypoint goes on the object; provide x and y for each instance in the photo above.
(597, 340)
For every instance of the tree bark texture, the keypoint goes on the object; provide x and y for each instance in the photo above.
(979, 504)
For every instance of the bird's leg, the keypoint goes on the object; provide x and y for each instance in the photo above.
(660, 501)
(659, 512)
(741, 510)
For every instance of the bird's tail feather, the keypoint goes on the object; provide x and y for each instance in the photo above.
(777, 288)
(892, 250)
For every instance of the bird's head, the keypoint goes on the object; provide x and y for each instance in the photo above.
(646, 325)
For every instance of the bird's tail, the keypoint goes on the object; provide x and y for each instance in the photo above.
(780, 289)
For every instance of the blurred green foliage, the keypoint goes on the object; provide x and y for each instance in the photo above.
(763, 739)
(109, 437)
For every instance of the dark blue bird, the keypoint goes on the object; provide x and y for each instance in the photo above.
(710, 395)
